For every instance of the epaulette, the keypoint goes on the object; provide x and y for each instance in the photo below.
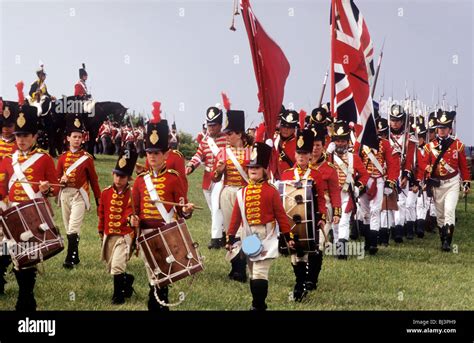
(331, 165)
(287, 170)
(143, 173)
(42, 151)
(88, 155)
(460, 145)
(177, 152)
(108, 187)
(272, 185)
(172, 171)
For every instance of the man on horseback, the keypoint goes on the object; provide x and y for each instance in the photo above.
(80, 88)
(38, 89)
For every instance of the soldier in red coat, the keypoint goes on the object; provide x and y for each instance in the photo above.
(257, 209)
(328, 173)
(307, 266)
(285, 142)
(229, 167)
(155, 184)
(445, 167)
(117, 224)
(8, 116)
(80, 88)
(34, 167)
(352, 179)
(383, 168)
(207, 151)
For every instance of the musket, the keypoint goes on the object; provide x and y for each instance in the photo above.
(379, 63)
(455, 109)
(383, 90)
(324, 87)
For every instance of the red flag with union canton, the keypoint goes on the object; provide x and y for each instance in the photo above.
(352, 69)
(271, 71)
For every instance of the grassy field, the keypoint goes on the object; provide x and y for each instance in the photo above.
(413, 276)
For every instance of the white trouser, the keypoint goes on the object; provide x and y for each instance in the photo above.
(432, 206)
(410, 214)
(400, 214)
(387, 216)
(371, 208)
(446, 199)
(328, 225)
(341, 230)
(212, 198)
(422, 206)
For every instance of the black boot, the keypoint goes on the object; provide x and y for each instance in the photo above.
(341, 249)
(373, 242)
(315, 262)
(5, 261)
(432, 224)
(26, 279)
(443, 236)
(398, 234)
(365, 231)
(118, 296)
(259, 289)
(127, 285)
(299, 292)
(384, 236)
(153, 304)
(72, 257)
(420, 228)
(409, 228)
(215, 243)
(450, 235)
(239, 268)
(356, 225)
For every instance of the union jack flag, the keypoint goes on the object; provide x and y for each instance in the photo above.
(352, 70)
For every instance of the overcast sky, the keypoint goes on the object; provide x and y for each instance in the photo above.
(183, 54)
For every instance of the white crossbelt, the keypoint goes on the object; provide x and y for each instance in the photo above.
(305, 176)
(373, 159)
(348, 170)
(167, 216)
(213, 146)
(82, 191)
(441, 161)
(237, 164)
(18, 170)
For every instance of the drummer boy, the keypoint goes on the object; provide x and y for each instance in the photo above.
(117, 224)
(152, 186)
(307, 266)
(25, 175)
(257, 208)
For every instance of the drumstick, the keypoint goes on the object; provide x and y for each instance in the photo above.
(37, 183)
(177, 204)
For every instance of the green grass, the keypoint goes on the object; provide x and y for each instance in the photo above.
(412, 276)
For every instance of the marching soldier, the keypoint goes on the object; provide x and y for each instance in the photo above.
(352, 179)
(257, 208)
(307, 266)
(9, 114)
(206, 153)
(174, 138)
(8, 118)
(445, 166)
(383, 168)
(76, 171)
(329, 177)
(285, 142)
(155, 184)
(229, 167)
(399, 140)
(320, 120)
(432, 222)
(389, 203)
(80, 88)
(33, 167)
(422, 203)
(117, 224)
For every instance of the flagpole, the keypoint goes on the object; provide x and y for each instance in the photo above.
(379, 63)
(333, 37)
(324, 88)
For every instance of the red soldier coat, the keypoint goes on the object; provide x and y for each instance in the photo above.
(41, 170)
(168, 186)
(7, 148)
(452, 163)
(384, 156)
(81, 176)
(330, 182)
(286, 150)
(264, 206)
(114, 211)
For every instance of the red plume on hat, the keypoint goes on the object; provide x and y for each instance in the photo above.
(260, 133)
(302, 118)
(21, 96)
(156, 112)
(225, 101)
